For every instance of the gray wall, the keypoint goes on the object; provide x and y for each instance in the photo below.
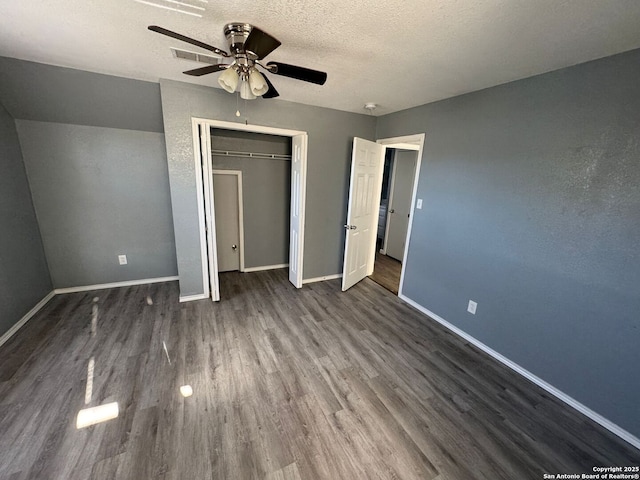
(100, 192)
(24, 276)
(532, 209)
(96, 161)
(34, 91)
(331, 134)
(266, 192)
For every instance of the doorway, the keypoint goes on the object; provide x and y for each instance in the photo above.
(205, 198)
(394, 216)
(412, 148)
(364, 154)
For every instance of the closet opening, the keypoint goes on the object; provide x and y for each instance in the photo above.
(252, 200)
(251, 183)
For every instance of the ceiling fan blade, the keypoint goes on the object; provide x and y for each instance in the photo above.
(260, 43)
(197, 43)
(299, 73)
(198, 72)
(272, 92)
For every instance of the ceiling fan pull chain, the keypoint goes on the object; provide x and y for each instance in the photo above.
(237, 105)
(246, 121)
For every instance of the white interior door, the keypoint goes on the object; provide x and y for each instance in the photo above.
(227, 213)
(298, 192)
(404, 167)
(362, 213)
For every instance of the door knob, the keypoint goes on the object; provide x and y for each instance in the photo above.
(350, 227)
(234, 247)
(392, 210)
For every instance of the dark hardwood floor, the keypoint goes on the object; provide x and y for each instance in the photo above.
(287, 384)
(386, 272)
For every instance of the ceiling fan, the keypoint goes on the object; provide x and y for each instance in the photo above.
(248, 45)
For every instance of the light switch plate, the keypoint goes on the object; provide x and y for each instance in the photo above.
(472, 307)
(419, 204)
(122, 259)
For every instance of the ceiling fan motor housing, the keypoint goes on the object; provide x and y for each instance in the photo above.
(236, 34)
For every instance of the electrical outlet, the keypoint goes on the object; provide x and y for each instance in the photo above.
(419, 204)
(472, 307)
(122, 259)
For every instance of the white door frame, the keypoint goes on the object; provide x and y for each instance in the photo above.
(238, 175)
(407, 142)
(204, 196)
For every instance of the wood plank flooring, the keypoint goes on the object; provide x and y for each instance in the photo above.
(387, 272)
(287, 384)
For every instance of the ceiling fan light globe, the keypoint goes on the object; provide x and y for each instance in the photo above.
(229, 80)
(245, 91)
(257, 83)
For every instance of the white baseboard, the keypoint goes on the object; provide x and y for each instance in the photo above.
(265, 267)
(322, 279)
(596, 417)
(102, 286)
(11, 332)
(20, 323)
(191, 298)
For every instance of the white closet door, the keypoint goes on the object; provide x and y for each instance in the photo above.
(298, 192)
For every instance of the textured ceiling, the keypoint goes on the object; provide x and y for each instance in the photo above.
(395, 53)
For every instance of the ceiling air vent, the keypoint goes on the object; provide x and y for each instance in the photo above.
(195, 57)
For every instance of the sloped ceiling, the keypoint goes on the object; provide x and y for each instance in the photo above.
(395, 53)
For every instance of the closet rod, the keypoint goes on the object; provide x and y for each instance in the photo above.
(229, 153)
